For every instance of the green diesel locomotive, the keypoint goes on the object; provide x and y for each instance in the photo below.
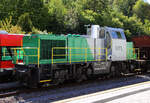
(56, 58)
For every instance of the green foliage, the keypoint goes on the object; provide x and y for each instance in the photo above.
(36, 31)
(25, 22)
(97, 5)
(70, 16)
(89, 17)
(124, 6)
(6, 25)
(56, 11)
(142, 10)
(135, 25)
(147, 26)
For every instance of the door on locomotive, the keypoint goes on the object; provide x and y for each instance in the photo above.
(102, 49)
(118, 44)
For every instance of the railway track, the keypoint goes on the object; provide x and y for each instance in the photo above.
(16, 90)
(8, 89)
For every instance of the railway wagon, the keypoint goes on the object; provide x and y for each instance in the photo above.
(55, 58)
(7, 42)
(143, 43)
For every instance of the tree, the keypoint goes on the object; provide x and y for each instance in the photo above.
(147, 26)
(56, 12)
(7, 8)
(124, 6)
(6, 25)
(25, 22)
(142, 10)
(97, 5)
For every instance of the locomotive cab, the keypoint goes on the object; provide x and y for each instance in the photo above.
(112, 42)
(118, 44)
(111, 38)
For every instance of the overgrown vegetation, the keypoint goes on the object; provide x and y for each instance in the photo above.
(70, 16)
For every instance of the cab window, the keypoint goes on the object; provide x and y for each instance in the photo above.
(119, 35)
(102, 33)
(108, 39)
(116, 35)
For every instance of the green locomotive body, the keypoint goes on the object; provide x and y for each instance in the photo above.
(131, 55)
(51, 49)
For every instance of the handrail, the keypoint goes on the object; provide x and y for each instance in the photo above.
(133, 52)
(83, 53)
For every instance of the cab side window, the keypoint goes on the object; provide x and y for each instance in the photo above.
(102, 34)
(119, 35)
(108, 39)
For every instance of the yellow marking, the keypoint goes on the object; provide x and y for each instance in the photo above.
(99, 93)
(78, 61)
(75, 48)
(137, 69)
(38, 57)
(15, 53)
(138, 53)
(42, 81)
(85, 54)
(4, 52)
(30, 55)
(52, 55)
(99, 52)
(60, 48)
(106, 54)
(38, 53)
(30, 48)
(70, 55)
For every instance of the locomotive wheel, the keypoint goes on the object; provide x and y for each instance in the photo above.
(62, 76)
(58, 77)
(56, 80)
(132, 68)
(115, 71)
(112, 71)
(124, 68)
(89, 72)
(81, 76)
